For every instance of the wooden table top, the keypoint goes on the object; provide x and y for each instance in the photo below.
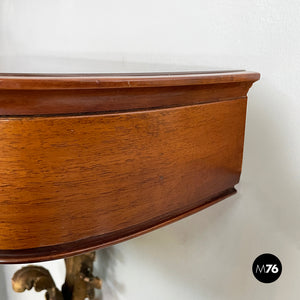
(37, 74)
(92, 154)
(55, 86)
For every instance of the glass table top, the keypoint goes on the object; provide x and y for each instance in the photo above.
(59, 66)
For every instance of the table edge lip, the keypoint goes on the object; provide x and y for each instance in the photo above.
(108, 81)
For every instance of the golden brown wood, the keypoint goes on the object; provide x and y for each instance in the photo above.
(86, 162)
(115, 81)
(46, 95)
(82, 101)
(87, 244)
(65, 179)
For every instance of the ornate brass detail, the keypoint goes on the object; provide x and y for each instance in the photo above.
(79, 284)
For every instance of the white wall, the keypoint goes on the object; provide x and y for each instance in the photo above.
(209, 255)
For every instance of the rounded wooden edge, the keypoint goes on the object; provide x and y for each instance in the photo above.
(91, 81)
(94, 243)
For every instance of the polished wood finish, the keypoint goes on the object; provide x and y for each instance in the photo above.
(62, 94)
(62, 102)
(107, 81)
(86, 162)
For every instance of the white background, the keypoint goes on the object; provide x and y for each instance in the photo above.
(208, 255)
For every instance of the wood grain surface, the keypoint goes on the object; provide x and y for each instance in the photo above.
(114, 81)
(96, 101)
(68, 178)
(86, 162)
(32, 95)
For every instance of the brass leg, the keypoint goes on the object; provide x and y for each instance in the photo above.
(79, 284)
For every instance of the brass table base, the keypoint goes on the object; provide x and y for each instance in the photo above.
(80, 282)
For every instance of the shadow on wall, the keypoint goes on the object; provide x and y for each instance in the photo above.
(272, 156)
(231, 233)
(164, 258)
(104, 267)
(3, 291)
